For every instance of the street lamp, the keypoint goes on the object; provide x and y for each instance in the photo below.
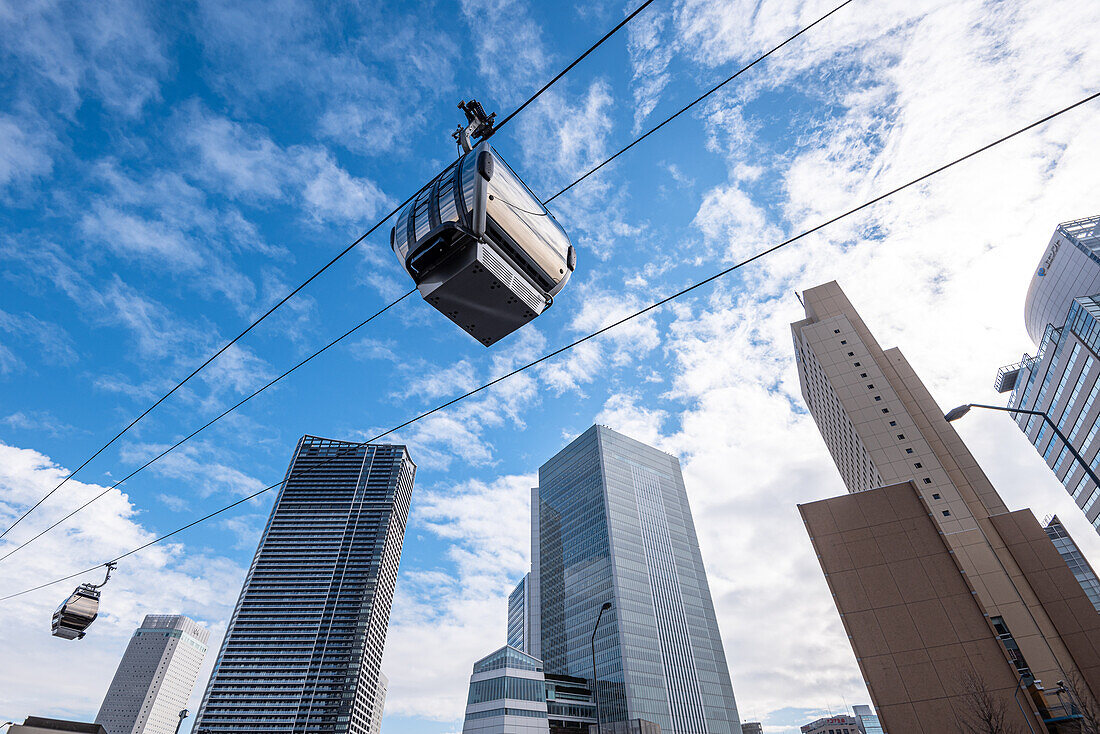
(183, 715)
(959, 412)
(595, 680)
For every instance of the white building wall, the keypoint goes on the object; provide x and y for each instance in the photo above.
(155, 677)
(1068, 268)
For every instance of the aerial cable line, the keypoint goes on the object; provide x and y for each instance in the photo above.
(700, 98)
(209, 423)
(315, 275)
(594, 334)
(567, 188)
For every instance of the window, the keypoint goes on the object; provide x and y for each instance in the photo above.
(901, 436)
(871, 386)
(908, 451)
(836, 331)
(927, 480)
(877, 397)
(893, 423)
(862, 374)
(842, 341)
(856, 364)
(917, 465)
(885, 410)
(935, 496)
(947, 513)
(851, 354)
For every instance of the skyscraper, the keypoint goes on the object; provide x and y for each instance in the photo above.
(611, 523)
(155, 677)
(1073, 557)
(519, 615)
(1062, 315)
(944, 593)
(868, 722)
(380, 690)
(304, 644)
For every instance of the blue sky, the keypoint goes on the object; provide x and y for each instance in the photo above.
(167, 172)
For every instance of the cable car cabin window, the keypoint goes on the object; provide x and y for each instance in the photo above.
(447, 210)
(421, 217)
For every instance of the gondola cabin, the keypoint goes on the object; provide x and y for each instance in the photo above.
(481, 248)
(76, 613)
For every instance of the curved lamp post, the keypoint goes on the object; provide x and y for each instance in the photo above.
(183, 715)
(595, 680)
(959, 412)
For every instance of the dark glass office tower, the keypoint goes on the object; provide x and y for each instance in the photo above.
(304, 645)
(612, 523)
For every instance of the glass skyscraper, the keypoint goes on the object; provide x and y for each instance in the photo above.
(1062, 315)
(1071, 554)
(611, 523)
(519, 616)
(304, 644)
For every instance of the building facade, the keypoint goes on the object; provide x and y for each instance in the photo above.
(842, 724)
(511, 694)
(1068, 268)
(941, 589)
(304, 644)
(868, 722)
(1061, 314)
(519, 615)
(611, 523)
(380, 690)
(155, 677)
(507, 695)
(42, 725)
(1078, 564)
(752, 727)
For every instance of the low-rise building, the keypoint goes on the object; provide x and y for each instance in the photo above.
(507, 695)
(841, 724)
(41, 725)
(752, 727)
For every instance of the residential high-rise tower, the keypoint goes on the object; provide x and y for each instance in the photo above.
(611, 523)
(155, 677)
(304, 644)
(946, 596)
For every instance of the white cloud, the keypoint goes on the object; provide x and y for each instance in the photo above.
(245, 163)
(651, 50)
(51, 342)
(197, 466)
(107, 50)
(240, 162)
(159, 580)
(332, 194)
(369, 82)
(625, 414)
(510, 52)
(459, 615)
(24, 149)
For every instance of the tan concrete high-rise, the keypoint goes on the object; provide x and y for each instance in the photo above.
(952, 603)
